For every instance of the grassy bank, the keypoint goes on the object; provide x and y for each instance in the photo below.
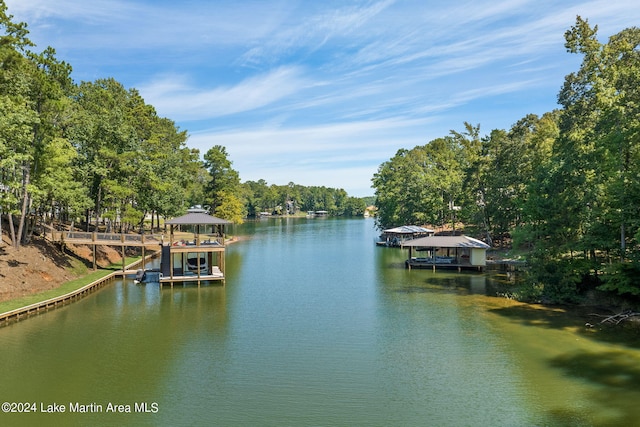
(65, 288)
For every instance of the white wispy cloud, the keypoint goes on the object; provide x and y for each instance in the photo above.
(341, 155)
(311, 33)
(178, 98)
(36, 11)
(145, 25)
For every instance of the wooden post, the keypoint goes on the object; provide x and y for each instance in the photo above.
(171, 263)
(93, 239)
(198, 263)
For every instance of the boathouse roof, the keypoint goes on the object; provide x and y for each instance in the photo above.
(446, 242)
(407, 229)
(197, 218)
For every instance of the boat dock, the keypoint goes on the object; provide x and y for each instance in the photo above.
(459, 252)
(193, 251)
(198, 255)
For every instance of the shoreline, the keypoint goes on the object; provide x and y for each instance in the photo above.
(23, 312)
(74, 284)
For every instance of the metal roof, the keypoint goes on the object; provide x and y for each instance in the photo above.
(197, 218)
(446, 242)
(408, 229)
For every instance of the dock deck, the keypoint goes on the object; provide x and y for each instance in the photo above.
(441, 263)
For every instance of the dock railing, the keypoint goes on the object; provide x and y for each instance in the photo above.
(83, 237)
(190, 239)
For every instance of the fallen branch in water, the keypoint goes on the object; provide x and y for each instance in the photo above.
(617, 318)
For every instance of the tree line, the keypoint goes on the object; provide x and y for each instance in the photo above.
(96, 154)
(564, 185)
(224, 194)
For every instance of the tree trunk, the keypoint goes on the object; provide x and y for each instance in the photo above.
(623, 245)
(25, 203)
(12, 231)
(98, 207)
(30, 224)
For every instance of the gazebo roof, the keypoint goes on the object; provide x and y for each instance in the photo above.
(198, 218)
(446, 242)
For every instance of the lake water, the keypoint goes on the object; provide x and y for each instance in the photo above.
(317, 326)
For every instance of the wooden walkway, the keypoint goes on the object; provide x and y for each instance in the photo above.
(105, 239)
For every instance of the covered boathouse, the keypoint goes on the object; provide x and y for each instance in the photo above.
(446, 252)
(195, 251)
(395, 237)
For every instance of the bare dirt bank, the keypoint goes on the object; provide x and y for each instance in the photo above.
(42, 265)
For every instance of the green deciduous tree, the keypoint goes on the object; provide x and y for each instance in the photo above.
(589, 195)
(224, 181)
(106, 141)
(419, 186)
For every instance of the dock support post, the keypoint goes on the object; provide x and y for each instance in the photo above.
(93, 239)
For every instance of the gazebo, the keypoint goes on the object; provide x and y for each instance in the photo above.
(195, 251)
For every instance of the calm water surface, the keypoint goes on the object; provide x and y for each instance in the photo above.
(317, 326)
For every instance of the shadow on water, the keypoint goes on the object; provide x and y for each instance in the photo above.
(579, 319)
(612, 370)
(458, 283)
(538, 315)
(616, 374)
(435, 284)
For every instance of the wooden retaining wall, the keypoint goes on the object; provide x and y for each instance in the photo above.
(52, 303)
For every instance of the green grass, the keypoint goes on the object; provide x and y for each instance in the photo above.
(77, 268)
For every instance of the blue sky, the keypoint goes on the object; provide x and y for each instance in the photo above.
(323, 92)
